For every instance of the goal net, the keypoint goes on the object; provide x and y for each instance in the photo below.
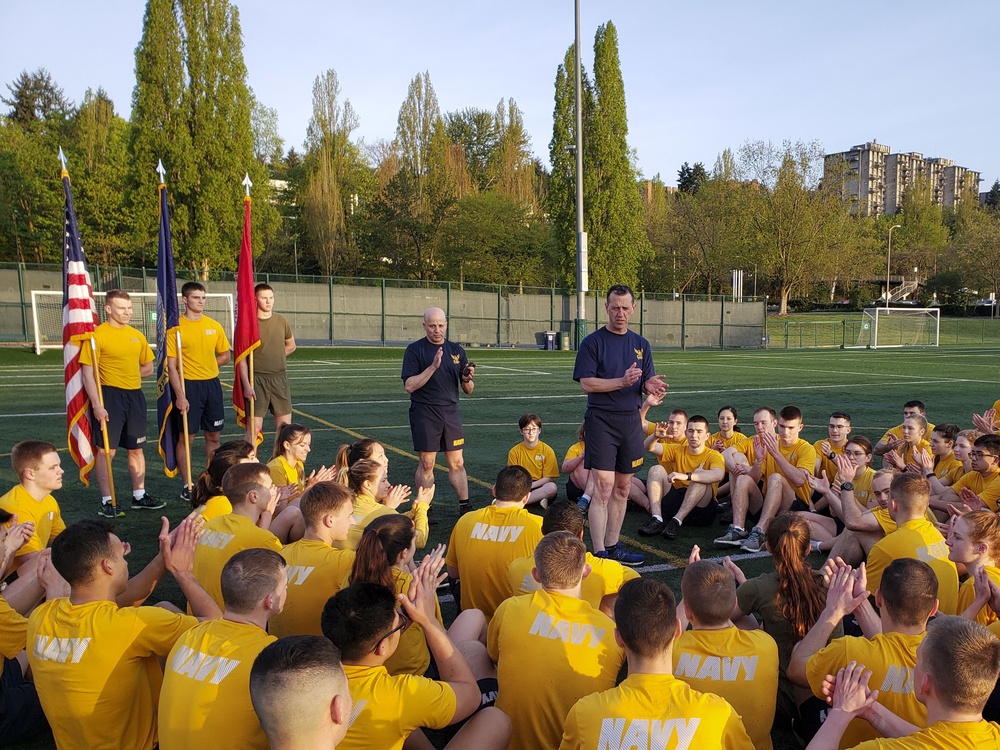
(46, 314)
(895, 326)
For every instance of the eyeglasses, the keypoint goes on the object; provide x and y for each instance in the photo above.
(980, 455)
(855, 454)
(404, 623)
(532, 429)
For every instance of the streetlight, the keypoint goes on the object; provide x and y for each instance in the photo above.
(888, 260)
(582, 279)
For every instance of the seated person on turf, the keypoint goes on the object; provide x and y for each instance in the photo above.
(204, 699)
(484, 542)
(386, 557)
(551, 647)
(787, 600)
(600, 588)
(914, 429)
(980, 487)
(350, 454)
(251, 492)
(651, 700)
(893, 438)
(838, 429)
(95, 655)
(853, 467)
(717, 657)
(691, 486)
(374, 497)
(906, 599)
(299, 691)
(974, 543)
(963, 446)
(671, 432)
(207, 496)
(21, 714)
(728, 436)
(939, 465)
(956, 670)
(914, 537)
(316, 570)
(38, 470)
(783, 462)
(292, 445)
(365, 622)
(537, 458)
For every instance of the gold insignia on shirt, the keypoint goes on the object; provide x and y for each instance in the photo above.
(638, 353)
(455, 358)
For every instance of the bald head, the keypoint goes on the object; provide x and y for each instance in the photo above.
(435, 325)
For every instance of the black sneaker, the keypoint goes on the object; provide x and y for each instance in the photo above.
(431, 520)
(652, 527)
(464, 508)
(619, 554)
(107, 510)
(186, 494)
(672, 529)
(147, 502)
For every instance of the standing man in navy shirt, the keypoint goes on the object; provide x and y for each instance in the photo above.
(615, 368)
(433, 370)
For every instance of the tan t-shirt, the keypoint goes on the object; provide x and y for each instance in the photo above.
(269, 358)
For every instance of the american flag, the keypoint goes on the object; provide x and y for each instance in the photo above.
(79, 320)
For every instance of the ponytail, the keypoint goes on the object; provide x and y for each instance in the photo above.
(800, 598)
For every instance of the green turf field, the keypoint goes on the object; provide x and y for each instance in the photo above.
(343, 394)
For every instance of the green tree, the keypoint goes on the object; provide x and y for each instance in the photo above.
(979, 245)
(475, 130)
(689, 178)
(268, 145)
(191, 108)
(993, 197)
(36, 97)
(617, 245)
(512, 164)
(922, 235)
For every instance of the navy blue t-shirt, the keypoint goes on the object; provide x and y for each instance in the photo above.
(442, 388)
(604, 354)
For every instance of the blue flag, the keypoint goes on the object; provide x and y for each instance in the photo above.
(166, 318)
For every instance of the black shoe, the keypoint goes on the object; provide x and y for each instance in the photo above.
(726, 516)
(672, 529)
(107, 510)
(652, 527)
(431, 520)
(147, 502)
(186, 494)
(464, 508)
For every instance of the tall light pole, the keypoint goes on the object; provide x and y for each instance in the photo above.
(582, 280)
(888, 260)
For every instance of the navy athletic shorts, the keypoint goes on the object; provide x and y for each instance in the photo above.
(436, 428)
(126, 418)
(614, 441)
(207, 410)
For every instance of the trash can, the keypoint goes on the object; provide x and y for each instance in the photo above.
(564, 340)
(550, 341)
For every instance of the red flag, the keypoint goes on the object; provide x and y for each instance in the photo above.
(246, 337)
(79, 321)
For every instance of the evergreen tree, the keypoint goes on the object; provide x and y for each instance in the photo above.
(191, 108)
(35, 96)
(617, 244)
(689, 178)
(993, 197)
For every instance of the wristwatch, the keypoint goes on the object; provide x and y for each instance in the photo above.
(690, 475)
(832, 456)
(929, 475)
(849, 486)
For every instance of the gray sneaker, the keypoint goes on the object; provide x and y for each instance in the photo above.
(147, 502)
(754, 541)
(733, 537)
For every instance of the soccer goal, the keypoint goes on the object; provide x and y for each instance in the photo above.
(47, 310)
(899, 326)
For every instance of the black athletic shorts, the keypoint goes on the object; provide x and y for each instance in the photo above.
(699, 515)
(20, 711)
(436, 428)
(207, 410)
(614, 441)
(126, 418)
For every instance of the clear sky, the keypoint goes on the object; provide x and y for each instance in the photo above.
(917, 75)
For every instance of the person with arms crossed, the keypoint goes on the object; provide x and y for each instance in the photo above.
(123, 359)
(651, 700)
(204, 349)
(614, 366)
(433, 370)
(299, 691)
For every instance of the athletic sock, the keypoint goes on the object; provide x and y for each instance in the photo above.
(658, 518)
(679, 521)
(106, 499)
(585, 497)
(139, 493)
